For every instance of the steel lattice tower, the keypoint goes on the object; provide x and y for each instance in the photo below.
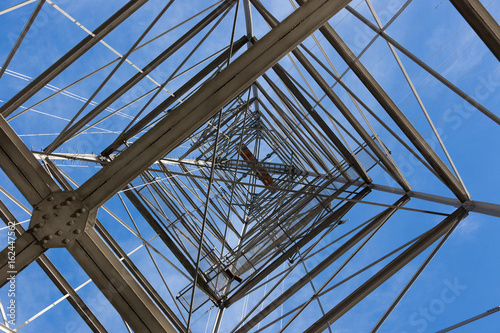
(241, 166)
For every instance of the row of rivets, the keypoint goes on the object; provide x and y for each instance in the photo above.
(67, 202)
(46, 240)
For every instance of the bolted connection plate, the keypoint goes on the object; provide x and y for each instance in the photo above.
(60, 218)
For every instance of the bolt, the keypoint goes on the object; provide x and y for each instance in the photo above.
(59, 232)
(49, 237)
(70, 223)
(65, 241)
(77, 214)
(45, 241)
(67, 202)
(56, 214)
(51, 198)
(38, 208)
(46, 216)
(35, 229)
(77, 231)
(39, 225)
(72, 198)
(83, 210)
(57, 206)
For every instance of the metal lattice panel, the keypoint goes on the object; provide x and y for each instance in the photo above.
(248, 165)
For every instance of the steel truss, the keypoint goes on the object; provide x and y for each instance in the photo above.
(230, 174)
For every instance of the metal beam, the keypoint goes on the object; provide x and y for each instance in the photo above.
(22, 168)
(392, 109)
(482, 22)
(19, 5)
(479, 207)
(348, 156)
(169, 243)
(66, 135)
(381, 219)
(394, 171)
(425, 67)
(137, 127)
(121, 254)
(209, 99)
(117, 284)
(26, 248)
(470, 320)
(385, 273)
(70, 57)
(90, 251)
(335, 216)
(21, 37)
(56, 277)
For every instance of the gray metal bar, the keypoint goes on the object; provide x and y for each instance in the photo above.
(348, 156)
(170, 100)
(21, 37)
(470, 320)
(57, 174)
(57, 278)
(392, 109)
(26, 249)
(389, 270)
(479, 207)
(248, 21)
(413, 279)
(210, 98)
(218, 320)
(482, 22)
(93, 255)
(425, 67)
(22, 168)
(71, 56)
(394, 171)
(337, 215)
(117, 284)
(382, 218)
(19, 5)
(66, 135)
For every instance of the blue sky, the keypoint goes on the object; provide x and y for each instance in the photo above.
(432, 30)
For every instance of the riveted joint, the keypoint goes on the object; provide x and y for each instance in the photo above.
(469, 205)
(60, 219)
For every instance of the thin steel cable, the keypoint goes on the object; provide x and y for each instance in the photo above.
(208, 192)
